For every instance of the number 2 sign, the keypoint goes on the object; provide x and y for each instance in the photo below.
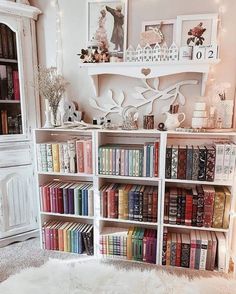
(202, 52)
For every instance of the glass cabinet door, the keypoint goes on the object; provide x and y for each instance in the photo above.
(10, 93)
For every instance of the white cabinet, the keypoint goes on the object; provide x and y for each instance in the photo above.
(18, 212)
(19, 114)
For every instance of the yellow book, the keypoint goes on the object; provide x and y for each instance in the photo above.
(227, 208)
(65, 239)
(55, 157)
(219, 204)
(121, 204)
(129, 244)
(168, 249)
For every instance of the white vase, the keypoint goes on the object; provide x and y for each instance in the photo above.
(48, 124)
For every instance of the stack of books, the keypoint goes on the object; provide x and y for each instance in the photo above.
(200, 206)
(129, 160)
(197, 250)
(67, 198)
(73, 156)
(133, 244)
(201, 163)
(130, 202)
(68, 237)
(10, 124)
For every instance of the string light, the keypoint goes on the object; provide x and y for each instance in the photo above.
(59, 57)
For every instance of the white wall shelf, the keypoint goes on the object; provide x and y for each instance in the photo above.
(147, 70)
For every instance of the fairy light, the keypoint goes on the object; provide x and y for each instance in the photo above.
(59, 14)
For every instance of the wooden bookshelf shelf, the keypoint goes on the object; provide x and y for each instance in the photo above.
(147, 179)
(195, 228)
(9, 101)
(124, 221)
(67, 215)
(103, 137)
(81, 175)
(7, 60)
(192, 182)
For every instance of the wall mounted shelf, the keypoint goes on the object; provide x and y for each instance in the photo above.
(147, 70)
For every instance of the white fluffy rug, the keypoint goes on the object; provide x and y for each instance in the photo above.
(90, 276)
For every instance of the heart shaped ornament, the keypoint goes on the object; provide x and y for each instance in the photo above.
(145, 71)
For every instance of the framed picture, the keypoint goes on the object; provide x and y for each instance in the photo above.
(167, 27)
(107, 24)
(195, 30)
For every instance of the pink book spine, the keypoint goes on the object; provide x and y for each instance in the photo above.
(192, 254)
(80, 156)
(90, 156)
(16, 85)
(47, 238)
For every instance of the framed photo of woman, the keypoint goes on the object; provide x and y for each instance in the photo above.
(107, 24)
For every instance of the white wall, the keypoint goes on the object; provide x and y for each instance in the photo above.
(74, 38)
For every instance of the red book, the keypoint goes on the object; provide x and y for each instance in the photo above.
(80, 156)
(193, 247)
(188, 208)
(60, 200)
(145, 246)
(178, 250)
(209, 196)
(16, 85)
(156, 159)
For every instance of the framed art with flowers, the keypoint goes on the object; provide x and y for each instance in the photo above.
(196, 30)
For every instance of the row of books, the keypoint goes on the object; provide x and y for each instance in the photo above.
(67, 236)
(200, 206)
(73, 156)
(67, 198)
(197, 250)
(129, 160)
(9, 83)
(10, 125)
(8, 48)
(129, 202)
(133, 244)
(202, 163)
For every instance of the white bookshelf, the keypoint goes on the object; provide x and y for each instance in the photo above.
(101, 137)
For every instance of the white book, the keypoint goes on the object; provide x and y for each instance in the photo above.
(221, 251)
(145, 160)
(219, 161)
(39, 159)
(43, 155)
(232, 162)
(72, 154)
(61, 158)
(204, 246)
(66, 158)
(227, 153)
(49, 157)
(90, 202)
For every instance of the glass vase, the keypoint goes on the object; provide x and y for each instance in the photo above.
(55, 116)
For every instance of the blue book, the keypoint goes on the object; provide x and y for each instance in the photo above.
(131, 202)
